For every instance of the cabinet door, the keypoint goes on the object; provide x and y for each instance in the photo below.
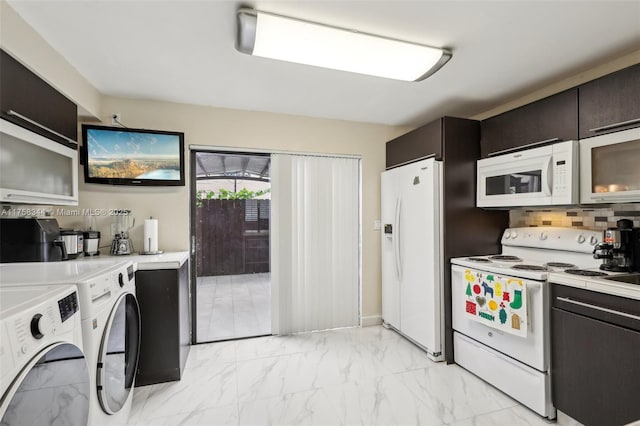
(548, 120)
(610, 103)
(595, 373)
(422, 142)
(26, 94)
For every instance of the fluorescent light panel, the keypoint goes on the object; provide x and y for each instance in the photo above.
(286, 39)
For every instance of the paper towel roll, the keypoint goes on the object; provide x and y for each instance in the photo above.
(151, 235)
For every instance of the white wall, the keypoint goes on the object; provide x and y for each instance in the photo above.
(241, 129)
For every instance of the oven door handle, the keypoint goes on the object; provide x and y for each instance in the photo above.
(598, 308)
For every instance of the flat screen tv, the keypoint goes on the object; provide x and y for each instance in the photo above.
(124, 156)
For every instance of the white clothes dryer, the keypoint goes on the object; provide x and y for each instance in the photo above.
(110, 326)
(44, 375)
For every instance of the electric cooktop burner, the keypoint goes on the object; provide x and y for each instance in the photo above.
(478, 259)
(559, 265)
(505, 258)
(529, 267)
(585, 273)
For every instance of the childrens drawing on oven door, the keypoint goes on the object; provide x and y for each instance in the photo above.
(497, 301)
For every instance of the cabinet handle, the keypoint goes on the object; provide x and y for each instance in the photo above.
(614, 125)
(521, 147)
(39, 197)
(35, 123)
(598, 308)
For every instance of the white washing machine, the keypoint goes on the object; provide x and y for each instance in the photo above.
(110, 326)
(44, 375)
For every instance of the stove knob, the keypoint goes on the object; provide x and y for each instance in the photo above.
(40, 326)
(593, 240)
(507, 235)
(514, 235)
(580, 239)
(543, 236)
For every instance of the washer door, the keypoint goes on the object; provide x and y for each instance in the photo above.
(118, 356)
(53, 389)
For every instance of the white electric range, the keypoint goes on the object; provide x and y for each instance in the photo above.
(501, 308)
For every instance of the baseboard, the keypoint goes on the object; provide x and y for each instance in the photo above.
(371, 320)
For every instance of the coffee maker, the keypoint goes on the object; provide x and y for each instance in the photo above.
(618, 248)
(123, 222)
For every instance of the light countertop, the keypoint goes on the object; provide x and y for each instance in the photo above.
(614, 288)
(145, 262)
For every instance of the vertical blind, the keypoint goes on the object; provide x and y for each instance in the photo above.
(315, 242)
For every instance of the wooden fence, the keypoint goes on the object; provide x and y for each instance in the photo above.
(232, 237)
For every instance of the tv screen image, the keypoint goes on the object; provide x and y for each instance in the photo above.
(123, 156)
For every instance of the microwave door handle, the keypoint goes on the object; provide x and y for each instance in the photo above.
(547, 172)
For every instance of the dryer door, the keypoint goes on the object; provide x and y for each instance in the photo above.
(53, 388)
(118, 356)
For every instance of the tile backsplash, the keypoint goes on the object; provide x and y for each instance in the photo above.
(598, 219)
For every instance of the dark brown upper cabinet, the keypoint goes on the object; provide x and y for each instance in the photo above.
(30, 102)
(422, 142)
(610, 103)
(552, 119)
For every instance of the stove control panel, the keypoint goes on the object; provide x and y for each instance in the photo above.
(555, 238)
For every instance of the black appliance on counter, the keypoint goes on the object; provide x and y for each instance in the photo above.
(635, 247)
(31, 240)
(618, 249)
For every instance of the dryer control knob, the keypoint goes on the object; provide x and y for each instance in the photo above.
(543, 236)
(507, 235)
(580, 239)
(40, 325)
(593, 240)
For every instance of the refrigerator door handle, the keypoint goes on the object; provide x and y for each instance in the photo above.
(396, 239)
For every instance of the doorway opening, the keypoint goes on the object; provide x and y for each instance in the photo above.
(232, 199)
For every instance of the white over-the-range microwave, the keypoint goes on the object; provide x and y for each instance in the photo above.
(600, 169)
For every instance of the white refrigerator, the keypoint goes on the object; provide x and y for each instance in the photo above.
(412, 269)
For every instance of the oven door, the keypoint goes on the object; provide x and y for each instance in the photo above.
(532, 349)
(609, 171)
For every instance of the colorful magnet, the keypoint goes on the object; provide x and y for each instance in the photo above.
(517, 299)
(486, 316)
(468, 292)
(487, 289)
(481, 300)
(498, 289)
(471, 308)
(476, 289)
(505, 296)
(493, 305)
(490, 278)
(503, 316)
(515, 322)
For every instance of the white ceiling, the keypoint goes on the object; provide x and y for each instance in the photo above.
(183, 51)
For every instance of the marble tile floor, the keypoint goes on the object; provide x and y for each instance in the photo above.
(355, 376)
(233, 306)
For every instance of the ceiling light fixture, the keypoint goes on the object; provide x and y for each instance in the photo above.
(287, 39)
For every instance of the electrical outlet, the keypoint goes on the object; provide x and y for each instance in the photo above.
(116, 117)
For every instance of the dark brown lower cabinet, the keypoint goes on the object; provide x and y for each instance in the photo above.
(595, 356)
(165, 337)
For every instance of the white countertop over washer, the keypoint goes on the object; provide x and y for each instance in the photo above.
(146, 262)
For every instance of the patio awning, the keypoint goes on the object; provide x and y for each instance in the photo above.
(229, 166)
